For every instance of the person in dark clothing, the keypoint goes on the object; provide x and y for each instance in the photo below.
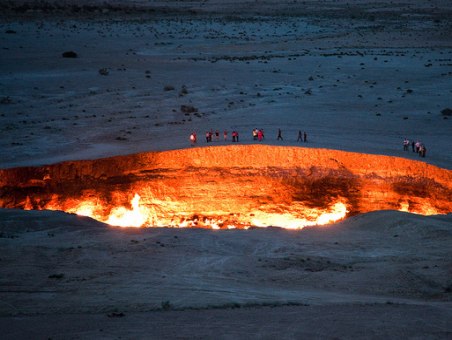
(412, 144)
(305, 137)
(299, 136)
(279, 135)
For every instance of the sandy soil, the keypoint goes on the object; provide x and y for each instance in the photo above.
(378, 274)
(356, 77)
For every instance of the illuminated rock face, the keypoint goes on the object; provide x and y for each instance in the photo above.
(255, 185)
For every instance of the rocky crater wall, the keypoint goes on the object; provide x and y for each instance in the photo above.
(239, 183)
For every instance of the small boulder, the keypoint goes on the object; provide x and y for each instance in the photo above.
(69, 54)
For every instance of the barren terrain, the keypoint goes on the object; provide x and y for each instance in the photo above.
(356, 76)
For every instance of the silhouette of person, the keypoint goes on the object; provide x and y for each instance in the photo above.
(299, 136)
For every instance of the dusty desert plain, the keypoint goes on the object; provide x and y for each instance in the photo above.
(356, 76)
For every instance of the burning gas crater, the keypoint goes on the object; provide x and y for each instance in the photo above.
(230, 187)
(139, 216)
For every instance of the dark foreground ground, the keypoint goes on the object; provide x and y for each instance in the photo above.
(378, 275)
(383, 321)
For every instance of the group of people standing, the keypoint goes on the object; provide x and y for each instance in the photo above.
(416, 146)
(210, 134)
(258, 134)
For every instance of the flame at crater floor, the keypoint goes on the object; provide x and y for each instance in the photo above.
(139, 217)
(230, 187)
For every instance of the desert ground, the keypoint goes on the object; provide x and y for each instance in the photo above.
(357, 76)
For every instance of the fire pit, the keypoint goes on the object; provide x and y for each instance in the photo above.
(230, 187)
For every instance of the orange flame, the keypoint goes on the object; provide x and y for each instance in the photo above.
(138, 217)
(424, 209)
(332, 214)
(299, 217)
(127, 218)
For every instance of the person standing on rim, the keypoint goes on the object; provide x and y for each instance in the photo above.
(417, 145)
(300, 138)
(279, 134)
(210, 135)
